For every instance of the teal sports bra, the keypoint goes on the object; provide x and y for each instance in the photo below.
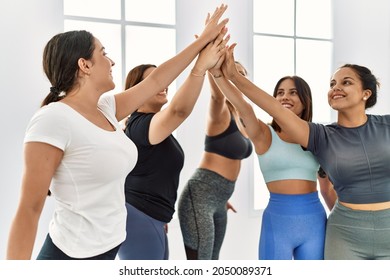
(285, 161)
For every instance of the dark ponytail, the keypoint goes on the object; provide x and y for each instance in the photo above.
(60, 61)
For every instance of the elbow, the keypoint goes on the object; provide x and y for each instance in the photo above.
(181, 113)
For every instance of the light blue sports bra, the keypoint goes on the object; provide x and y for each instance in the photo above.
(285, 161)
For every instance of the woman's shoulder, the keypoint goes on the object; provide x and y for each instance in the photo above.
(379, 118)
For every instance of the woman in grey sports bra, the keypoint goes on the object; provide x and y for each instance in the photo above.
(203, 203)
(354, 152)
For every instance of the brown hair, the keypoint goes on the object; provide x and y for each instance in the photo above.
(304, 93)
(60, 61)
(136, 74)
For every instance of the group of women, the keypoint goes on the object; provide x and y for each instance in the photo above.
(116, 190)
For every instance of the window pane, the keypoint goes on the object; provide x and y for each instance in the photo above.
(273, 17)
(155, 11)
(110, 9)
(314, 18)
(110, 37)
(141, 47)
(314, 65)
(273, 58)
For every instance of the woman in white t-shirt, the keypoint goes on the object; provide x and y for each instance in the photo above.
(75, 146)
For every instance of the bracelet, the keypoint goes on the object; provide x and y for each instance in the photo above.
(197, 75)
(217, 76)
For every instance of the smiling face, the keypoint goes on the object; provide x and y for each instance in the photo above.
(287, 95)
(346, 90)
(101, 69)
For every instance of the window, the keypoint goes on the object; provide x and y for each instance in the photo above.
(132, 32)
(291, 37)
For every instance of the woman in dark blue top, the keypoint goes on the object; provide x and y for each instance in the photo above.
(203, 202)
(152, 185)
(354, 152)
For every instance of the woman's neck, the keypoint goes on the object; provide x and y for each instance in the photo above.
(351, 120)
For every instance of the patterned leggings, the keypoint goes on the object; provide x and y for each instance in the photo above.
(203, 215)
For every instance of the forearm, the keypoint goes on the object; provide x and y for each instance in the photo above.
(330, 198)
(293, 125)
(327, 191)
(184, 100)
(232, 94)
(258, 96)
(216, 94)
(246, 114)
(168, 71)
(131, 99)
(22, 236)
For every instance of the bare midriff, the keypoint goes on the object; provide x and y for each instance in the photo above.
(368, 206)
(227, 168)
(292, 186)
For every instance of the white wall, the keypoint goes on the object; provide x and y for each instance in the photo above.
(25, 27)
(361, 36)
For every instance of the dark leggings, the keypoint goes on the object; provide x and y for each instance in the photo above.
(50, 251)
(203, 215)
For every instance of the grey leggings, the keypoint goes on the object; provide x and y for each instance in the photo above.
(357, 235)
(203, 215)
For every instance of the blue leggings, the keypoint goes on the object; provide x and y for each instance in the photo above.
(146, 238)
(293, 227)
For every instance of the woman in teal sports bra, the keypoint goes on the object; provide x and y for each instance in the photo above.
(294, 221)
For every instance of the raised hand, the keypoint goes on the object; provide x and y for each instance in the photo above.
(212, 53)
(213, 27)
(228, 67)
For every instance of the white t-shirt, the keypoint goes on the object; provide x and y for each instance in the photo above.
(88, 186)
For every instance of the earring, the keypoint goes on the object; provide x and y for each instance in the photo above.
(365, 98)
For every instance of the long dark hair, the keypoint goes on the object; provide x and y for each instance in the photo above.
(304, 93)
(60, 61)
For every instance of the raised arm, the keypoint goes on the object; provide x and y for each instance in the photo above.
(218, 110)
(129, 100)
(40, 162)
(256, 130)
(166, 121)
(291, 124)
